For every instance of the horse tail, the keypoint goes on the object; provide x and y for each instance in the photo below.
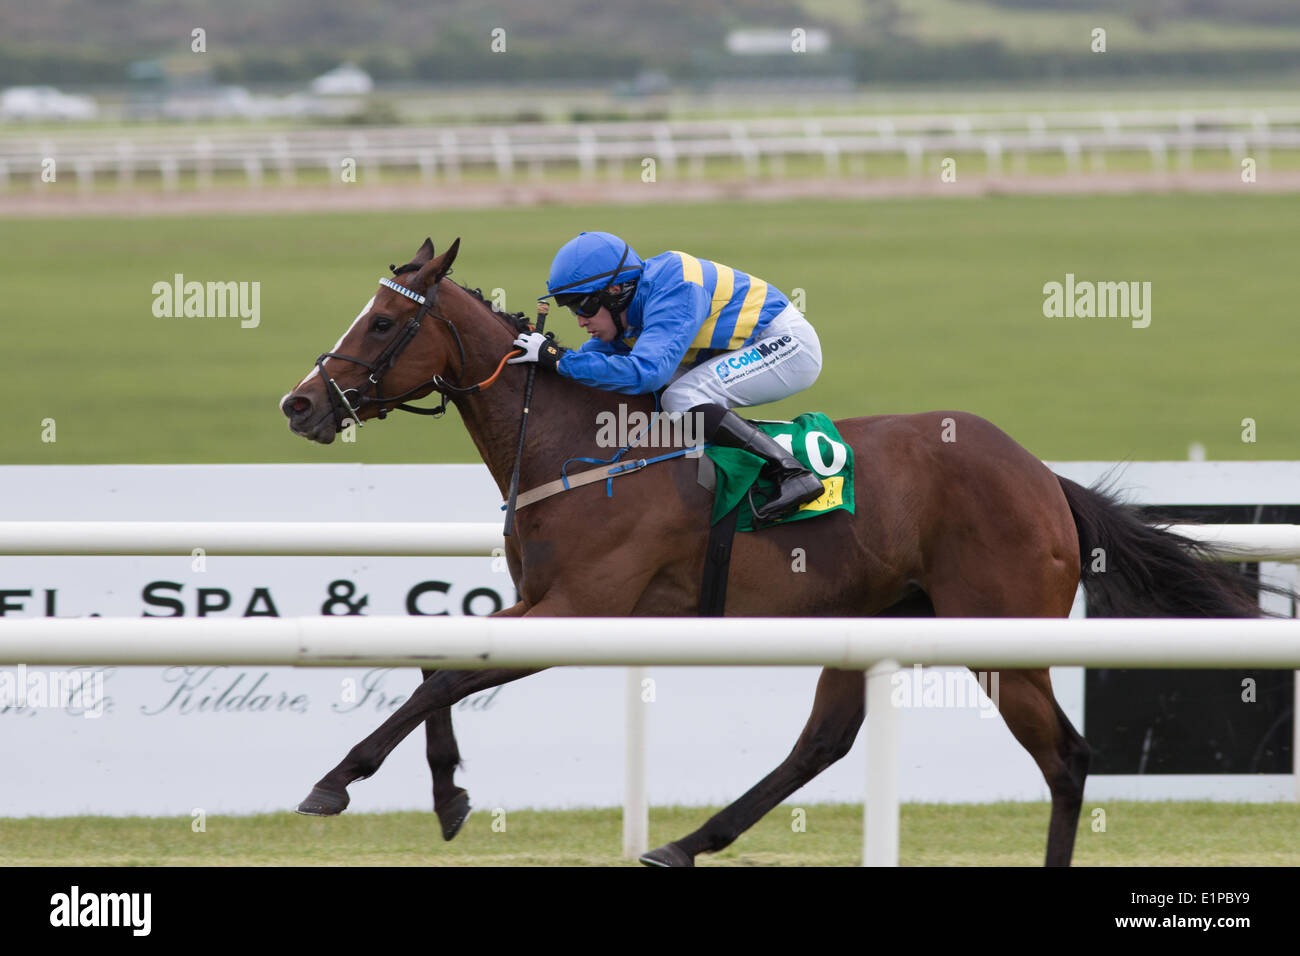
(1131, 568)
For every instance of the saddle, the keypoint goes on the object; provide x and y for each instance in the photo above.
(740, 488)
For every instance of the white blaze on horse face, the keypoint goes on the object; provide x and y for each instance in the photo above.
(364, 309)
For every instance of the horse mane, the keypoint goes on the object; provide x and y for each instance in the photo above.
(518, 321)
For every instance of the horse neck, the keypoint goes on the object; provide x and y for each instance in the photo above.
(562, 413)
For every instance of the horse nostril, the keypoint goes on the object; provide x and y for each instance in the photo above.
(295, 406)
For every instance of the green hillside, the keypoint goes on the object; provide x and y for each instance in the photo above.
(255, 41)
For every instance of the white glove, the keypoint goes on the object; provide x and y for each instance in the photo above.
(531, 343)
(538, 348)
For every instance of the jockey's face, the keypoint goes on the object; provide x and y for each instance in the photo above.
(601, 325)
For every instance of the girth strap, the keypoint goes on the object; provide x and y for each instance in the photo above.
(717, 565)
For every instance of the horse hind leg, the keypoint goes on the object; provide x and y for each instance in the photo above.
(1037, 721)
(837, 713)
(450, 802)
(1025, 697)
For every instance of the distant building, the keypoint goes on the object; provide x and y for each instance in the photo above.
(44, 103)
(345, 80)
(767, 42)
(798, 60)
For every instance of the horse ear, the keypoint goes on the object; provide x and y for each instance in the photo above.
(449, 257)
(425, 252)
(435, 269)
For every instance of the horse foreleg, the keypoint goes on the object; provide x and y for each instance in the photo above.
(430, 702)
(439, 692)
(837, 714)
(450, 802)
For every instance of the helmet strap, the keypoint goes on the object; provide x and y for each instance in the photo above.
(613, 303)
(623, 299)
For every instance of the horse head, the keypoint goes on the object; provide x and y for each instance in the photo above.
(399, 348)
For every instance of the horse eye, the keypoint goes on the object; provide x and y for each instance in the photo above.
(381, 325)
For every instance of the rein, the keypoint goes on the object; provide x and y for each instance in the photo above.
(347, 404)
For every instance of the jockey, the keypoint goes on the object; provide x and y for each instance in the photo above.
(715, 336)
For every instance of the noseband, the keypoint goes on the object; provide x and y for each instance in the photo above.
(348, 403)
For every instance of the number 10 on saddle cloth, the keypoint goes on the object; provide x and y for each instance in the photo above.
(814, 440)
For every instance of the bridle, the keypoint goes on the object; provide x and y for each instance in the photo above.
(347, 403)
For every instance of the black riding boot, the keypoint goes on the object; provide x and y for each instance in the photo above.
(796, 484)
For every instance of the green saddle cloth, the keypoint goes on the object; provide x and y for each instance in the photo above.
(814, 441)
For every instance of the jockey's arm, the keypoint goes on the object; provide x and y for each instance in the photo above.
(669, 325)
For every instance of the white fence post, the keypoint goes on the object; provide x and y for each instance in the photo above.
(85, 175)
(915, 157)
(450, 146)
(169, 169)
(428, 164)
(667, 152)
(880, 814)
(1295, 737)
(125, 150)
(1159, 156)
(203, 163)
(253, 170)
(284, 160)
(993, 155)
(636, 804)
(503, 155)
(587, 154)
(1070, 150)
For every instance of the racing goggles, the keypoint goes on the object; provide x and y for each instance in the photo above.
(586, 304)
(582, 304)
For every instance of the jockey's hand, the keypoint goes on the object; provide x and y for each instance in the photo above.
(538, 348)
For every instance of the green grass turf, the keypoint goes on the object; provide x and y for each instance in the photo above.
(920, 304)
(1000, 834)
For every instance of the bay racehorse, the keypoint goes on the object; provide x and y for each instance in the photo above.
(953, 518)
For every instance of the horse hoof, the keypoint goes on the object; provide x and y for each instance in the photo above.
(453, 815)
(670, 855)
(323, 803)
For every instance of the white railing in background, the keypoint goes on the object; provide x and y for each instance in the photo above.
(877, 646)
(300, 538)
(441, 153)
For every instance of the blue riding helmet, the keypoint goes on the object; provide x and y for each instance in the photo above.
(590, 262)
(585, 266)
